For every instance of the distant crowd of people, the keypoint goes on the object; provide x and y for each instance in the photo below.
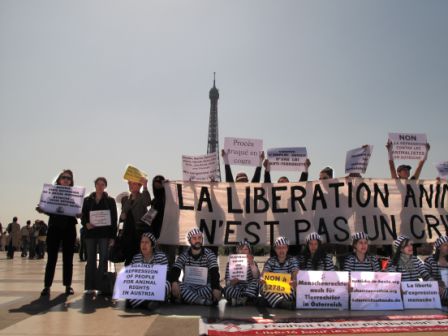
(138, 242)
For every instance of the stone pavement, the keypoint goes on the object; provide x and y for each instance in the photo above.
(24, 312)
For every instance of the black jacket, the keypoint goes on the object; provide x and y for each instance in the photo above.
(106, 203)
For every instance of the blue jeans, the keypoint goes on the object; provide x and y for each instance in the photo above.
(92, 246)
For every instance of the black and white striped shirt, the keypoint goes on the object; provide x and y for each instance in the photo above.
(352, 264)
(412, 271)
(324, 264)
(273, 265)
(433, 268)
(158, 258)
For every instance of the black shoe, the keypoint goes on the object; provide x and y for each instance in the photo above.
(45, 291)
(69, 290)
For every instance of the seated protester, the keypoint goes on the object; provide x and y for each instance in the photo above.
(241, 176)
(437, 262)
(149, 255)
(237, 292)
(404, 171)
(359, 260)
(314, 258)
(284, 179)
(281, 263)
(403, 261)
(196, 256)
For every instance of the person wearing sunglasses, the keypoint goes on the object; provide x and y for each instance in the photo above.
(61, 229)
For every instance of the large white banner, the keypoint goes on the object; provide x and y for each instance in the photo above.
(230, 212)
(243, 152)
(408, 146)
(200, 168)
(61, 200)
(287, 159)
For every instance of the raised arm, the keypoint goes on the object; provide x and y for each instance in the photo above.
(393, 172)
(421, 163)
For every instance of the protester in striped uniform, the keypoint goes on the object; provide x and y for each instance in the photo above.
(281, 263)
(359, 260)
(403, 261)
(149, 255)
(238, 291)
(198, 257)
(314, 257)
(437, 264)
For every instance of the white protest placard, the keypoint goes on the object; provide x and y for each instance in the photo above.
(442, 169)
(100, 218)
(375, 291)
(200, 168)
(357, 160)
(61, 200)
(243, 152)
(195, 275)
(149, 216)
(287, 159)
(322, 290)
(141, 282)
(238, 267)
(408, 146)
(421, 295)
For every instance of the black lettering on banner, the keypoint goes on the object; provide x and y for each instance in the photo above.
(248, 200)
(409, 195)
(298, 230)
(428, 198)
(297, 198)
(336, 191)
(230, 208)
(442, 201)
(384, 196)
(414, 233)
(271, 230)
(350, 194)
(253, 234)
(384, 224)
(259, 193)
(436, 200)
(345, 232)
(205, 230)
(432, 223)
(276, 198)
(366, 229)
(318, 195)
(230, 231)
(181, 199)
(204, 196)
(359, 193)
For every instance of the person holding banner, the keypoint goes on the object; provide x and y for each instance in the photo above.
(237, 292)
(404, 171)
(404, 262)
(149, 255)
(61, 229)
(282, 262)
(133, 208)
(314, 257)
(359, 260)
(241, 176)
(99, 220)
(437, 267)
(200, 284)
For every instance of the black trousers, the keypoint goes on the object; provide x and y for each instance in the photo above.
(66, 234)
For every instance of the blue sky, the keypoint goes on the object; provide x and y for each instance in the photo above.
(95, 85)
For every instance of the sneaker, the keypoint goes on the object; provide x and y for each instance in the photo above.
(45, 291)
(69, 290)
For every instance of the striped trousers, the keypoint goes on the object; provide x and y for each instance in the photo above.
(195, 294)
(249, 290)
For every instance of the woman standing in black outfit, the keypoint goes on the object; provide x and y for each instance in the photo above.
(60, 229)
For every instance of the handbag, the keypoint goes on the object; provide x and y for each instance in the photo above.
(105, 281)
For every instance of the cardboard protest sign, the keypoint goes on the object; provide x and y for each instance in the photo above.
(243, 152)
(134, 174)
(287, 159)
(61, 200)
(100, 218)
(230, 212)
(195, 275)
(200, 168)
(357, 160)
(421, 295)
(408, 146)
(322, 290)
(277, 282)
(375, 291)
(238, 266)
(141, 282)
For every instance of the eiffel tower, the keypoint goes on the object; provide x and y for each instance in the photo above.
(213, 135)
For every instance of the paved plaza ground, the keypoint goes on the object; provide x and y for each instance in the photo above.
(24, 312)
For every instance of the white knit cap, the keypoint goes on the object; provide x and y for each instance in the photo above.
(313, 236)
(193, 232)
(400, 239)
(281, 241)
(440, 241)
